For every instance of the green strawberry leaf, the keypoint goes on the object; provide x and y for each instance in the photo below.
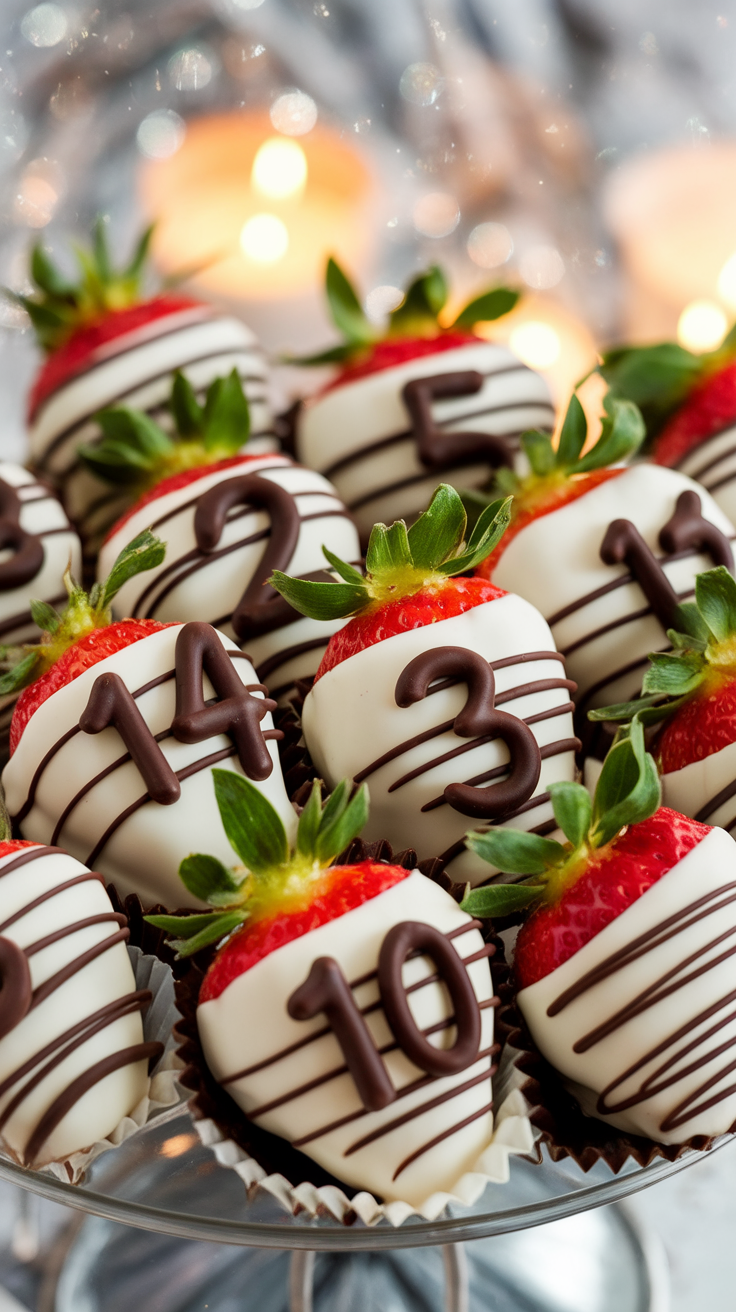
(424, 299)
(46, 276)
(226, 415)
(309, 822)
(628, 788)
(333, 355)
(515, 852)
(44, 616)
(621, 434)
(205, 877)
(343, 822)
(489, 529)
(140, 255)
(21, 674)
(490, 305)
(345, 308)
(500, 899)
(573, 810)
(437, 534)
(622, 712)
(185, 926)
(388, 548)
(347, 572)
(674, 673)
(656, 378)
(185, 408)
(539, 451)
(573, 435)
(715, 595)
(685, 641)
(253, 827)
(145, 552)
(214, 925)
(321, 601)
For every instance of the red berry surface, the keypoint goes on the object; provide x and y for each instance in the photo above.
(343, 889)
(75, 355)
(384, 621)
(394, 351)
(15, 844)
(710, 407)
(75, 660)
(557, 495)
(614, 878)
(182, 479)
(701, 726)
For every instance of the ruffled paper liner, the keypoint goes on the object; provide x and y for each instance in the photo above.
(162, 1091)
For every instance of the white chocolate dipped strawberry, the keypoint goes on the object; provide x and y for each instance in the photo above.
(108, 342)
(73, 1061)
(351, 1009)
(605, 552)
(447, 693)
(228, 519)
(625, 968)
(114, 738)
(416, 401)
(37, 543)
(689, 694)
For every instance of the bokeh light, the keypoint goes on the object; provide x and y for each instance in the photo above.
(421, 84)
(46, 25)
(490, 245)
(279, 168)
(161, 134)
(437, 214)
(264, 239)
(381, 301)
(191, 69)
(701, 326)
(294, 114)
(727, 282)
(542, 267)
(536, 343)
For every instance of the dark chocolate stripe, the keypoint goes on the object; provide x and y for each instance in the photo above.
(702, 447)
(619, 673)
(193, 501)
(551, 749)
(441, 1098)
(439, 1138)
(102, 918)
(283, 657)
(44, 991)
(89, 876)
(616, 624)
(725, 795)
(30, 854)
(619, 582)
(723, 481)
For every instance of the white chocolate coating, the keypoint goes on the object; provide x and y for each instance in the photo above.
(192, 585)
(713, 464)
(555, 563)
(351, 720)
(103, 980)
(143, 852)
(676, 1055)
(135, 370)
(41, 514)
(358, 433)
(705, 789)
(248, 1025)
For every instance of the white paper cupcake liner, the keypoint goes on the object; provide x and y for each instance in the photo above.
(163, 1091)
(513, 1135)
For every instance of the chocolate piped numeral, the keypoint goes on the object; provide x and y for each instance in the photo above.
(260, 609)
(437, 448)
(238, 714)
(110, 703)
(327, 991)
(16, 992)
(28, 553)
(686, 530)
(477, 719)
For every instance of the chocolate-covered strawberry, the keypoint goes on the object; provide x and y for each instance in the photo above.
(117, 729)
(73, 1061)
(415, 400)
(37, 544)
(606, 552)
(625, 964)
(689, 404)
(229, 519)
(690, 695)
(109, 342)
(304, 1015)
(445, 692)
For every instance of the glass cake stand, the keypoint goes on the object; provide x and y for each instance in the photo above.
(547, 1242)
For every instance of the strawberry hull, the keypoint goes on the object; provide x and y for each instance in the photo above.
(82, 789)
(134, 369)
(601, 618)
(409, 754)
(640, 1021)
(360, 434)
(197, 584)
(98, 994)
(437, 1127)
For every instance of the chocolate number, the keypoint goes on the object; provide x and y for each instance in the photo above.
(686, 530)
(28, 553)
(326, 990)
(238, 713)
(438, 448)
(16, 992)
(478, 718)
(111, 703)
(260, 609)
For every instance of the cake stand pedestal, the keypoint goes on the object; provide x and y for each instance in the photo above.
(173, 1231)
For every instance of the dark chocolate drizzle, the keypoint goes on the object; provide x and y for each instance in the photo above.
(438, 449)
(15, 989)
(689, 530)
(28, 551)
(238, 713)
(110, 703)
(478, 717)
